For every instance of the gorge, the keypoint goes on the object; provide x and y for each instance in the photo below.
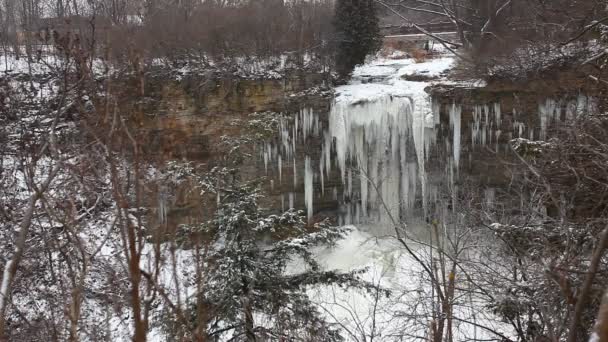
(388, 145)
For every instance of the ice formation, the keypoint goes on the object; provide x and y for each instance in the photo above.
(550, 111)
(371, 140)
(308, 186)
(455, 122)
(377, 139)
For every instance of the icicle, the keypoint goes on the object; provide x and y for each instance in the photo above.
(291, 200)
(411, 198)
(284, 131)
(308, 186)
(348, 216)
(436, 110)
(304, 117)
(581, 105)
(498, 133)
(476, 127)
(321, 171)
(570, 110)
(162, 206)
(418, 134)
(265, 153)
(295, 174)
(362, 159)
(293, 142)
(405, 185)
(280, 167)
(455, 122)
(519, 126)
(391, 189)
(327, 152)
(497, 114)
(295, 129)
(308, 118)
(546, 112)
(490, 196)
(373, 136)
(350, 183)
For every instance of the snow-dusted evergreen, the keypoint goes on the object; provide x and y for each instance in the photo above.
(248, 292)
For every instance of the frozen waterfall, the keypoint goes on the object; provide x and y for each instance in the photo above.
(375, 138)
(369, 154)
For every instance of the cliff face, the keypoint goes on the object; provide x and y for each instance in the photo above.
(494, 114)
(185, 119)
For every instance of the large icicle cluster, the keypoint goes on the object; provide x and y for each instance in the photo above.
(377, 139)
(282, 153)
(455, 123)
(486, 125)
(376, 142)
(371, 141)
(555, 111)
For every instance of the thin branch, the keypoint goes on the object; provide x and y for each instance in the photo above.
(446, 43)
(581, 302)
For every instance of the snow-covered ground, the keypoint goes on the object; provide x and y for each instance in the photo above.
(406, 313)
(395, 68)
(383, 70)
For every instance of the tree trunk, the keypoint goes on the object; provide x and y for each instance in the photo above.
(248, 314)
(139, 323)
(11, 266)
(10, 269)
(601, 327)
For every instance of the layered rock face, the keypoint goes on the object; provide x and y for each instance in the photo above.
(493, 115)
(405, 151)
(384, 149)
(185, 119)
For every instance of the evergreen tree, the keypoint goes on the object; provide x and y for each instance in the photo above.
(248, 293)
(358, 33)
(247, 285)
